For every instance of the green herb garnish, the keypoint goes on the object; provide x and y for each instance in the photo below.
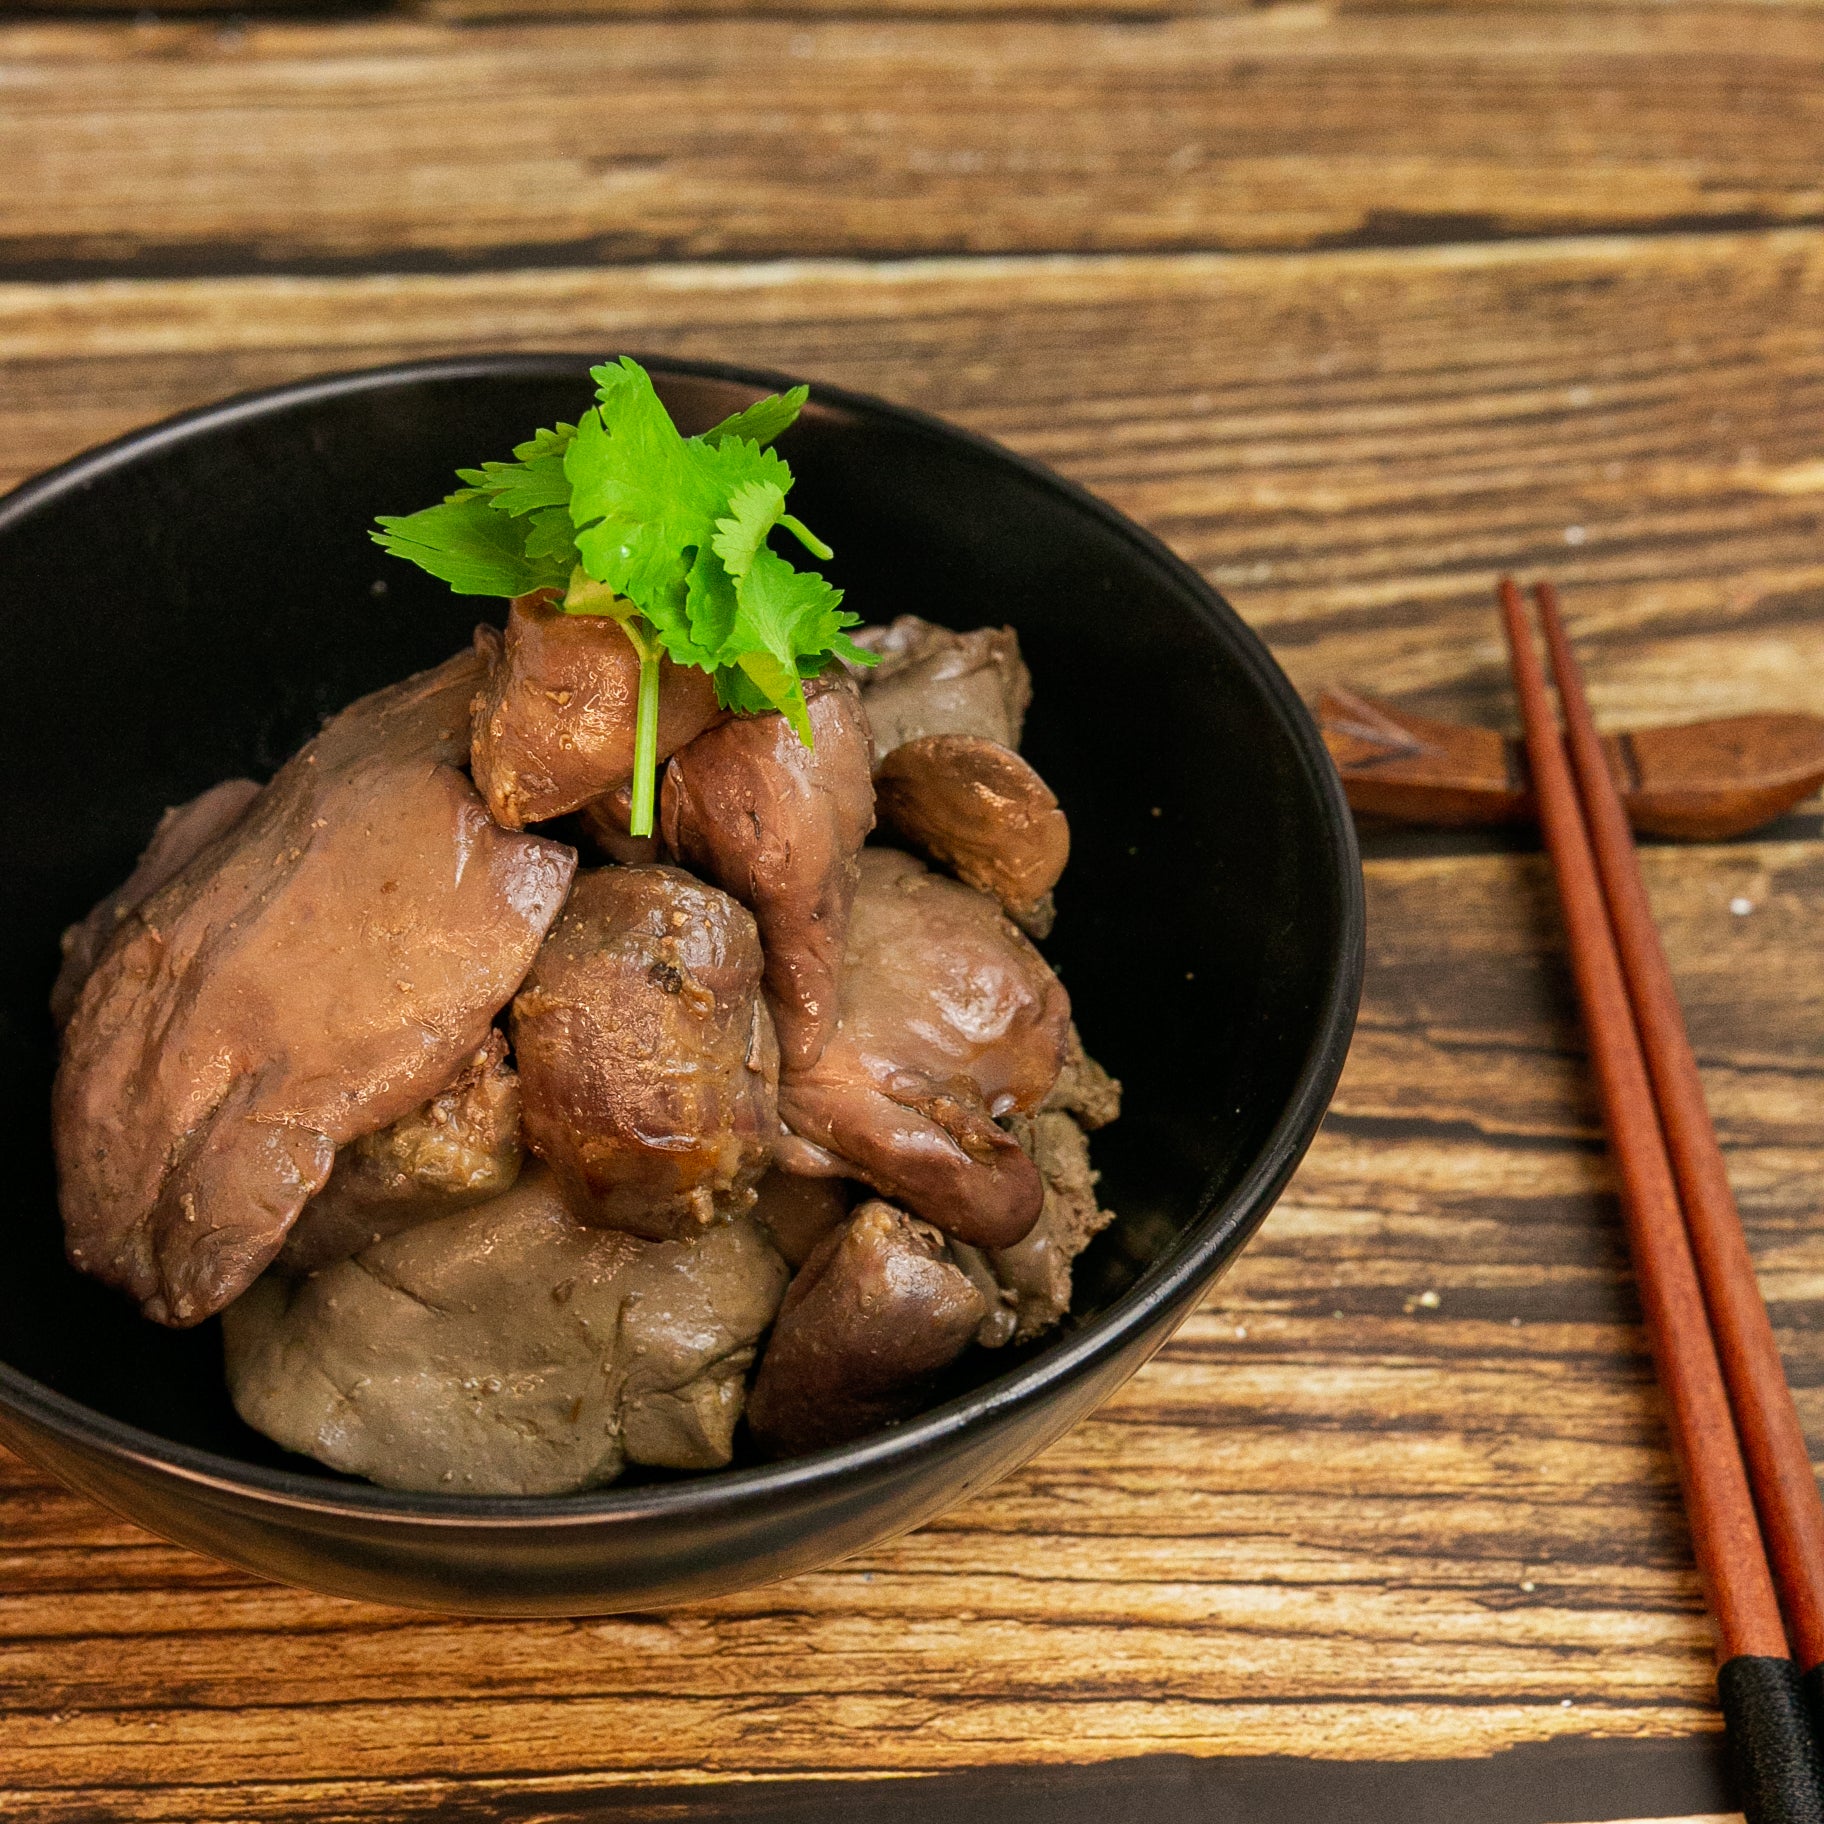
(663, 533)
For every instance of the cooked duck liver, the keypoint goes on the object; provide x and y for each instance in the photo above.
(508, 1350)
(182, 834)
(319, 973)
(780, 825)
(931, 681)
(648, 1068)
(949, 1020)
(554, 723)
(869, 1319)
(978, 809)
(461, 1148)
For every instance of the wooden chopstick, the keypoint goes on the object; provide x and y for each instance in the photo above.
(1776, 1756)
(1766, 1419)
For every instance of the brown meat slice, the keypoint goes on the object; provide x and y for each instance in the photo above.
(508, 1350)
(648, 1068)
(978, 809)
(780, 825)
(931, 681)
(182, 833)
(950, 1020)
(461, 1148)
(554, 723)
(867, 1323)
(313, 977)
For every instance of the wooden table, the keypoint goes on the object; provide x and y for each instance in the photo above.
(1354, 305)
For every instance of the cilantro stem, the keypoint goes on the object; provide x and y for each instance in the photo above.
(645, 739)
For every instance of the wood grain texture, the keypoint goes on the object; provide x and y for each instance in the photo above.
(1351, 445)
(395, 141)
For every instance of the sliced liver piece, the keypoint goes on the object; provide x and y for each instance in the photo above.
(554, 722)
(868, 1322)
(950, 1020)
(648, 1068)
(780, 825)
(182, 834)
(317, 974)
(978, 809)
(508, 1350)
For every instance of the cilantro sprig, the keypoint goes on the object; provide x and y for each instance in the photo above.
(665, 534)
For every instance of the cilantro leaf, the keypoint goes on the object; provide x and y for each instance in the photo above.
(472, 548)
(762, 421)
(665, 534)
(782, 614)
(753, 511)
(532, 480)
(637, 499)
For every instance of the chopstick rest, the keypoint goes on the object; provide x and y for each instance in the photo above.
(1778, 1770)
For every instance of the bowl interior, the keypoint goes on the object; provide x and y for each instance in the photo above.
(190, 606)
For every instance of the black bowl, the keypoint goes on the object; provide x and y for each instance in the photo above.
(188, 603)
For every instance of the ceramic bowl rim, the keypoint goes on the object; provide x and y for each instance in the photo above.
(1215, 1233)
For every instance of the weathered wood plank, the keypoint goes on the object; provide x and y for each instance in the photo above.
(1350, 444)
(197, 146)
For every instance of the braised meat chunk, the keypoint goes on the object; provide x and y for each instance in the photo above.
(554, 722)
(949, 1021)
(182, 834)
(508, 1350)
(648, 1068)
(978, 809)
(875, 1313)
(780, 825)
(319, 972)
(931, 681)
(461, 1148)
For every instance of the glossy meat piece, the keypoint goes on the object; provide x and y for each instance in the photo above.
(780, 825)
(931, 681)
(978, 809)
(554, 722)
(950, 1019)
(868, 1322)
(508, 1350)
(648, 1068)
(461, 1148)
(183, 832)
(313, 977)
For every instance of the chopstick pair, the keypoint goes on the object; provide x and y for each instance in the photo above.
(1735, 1430)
